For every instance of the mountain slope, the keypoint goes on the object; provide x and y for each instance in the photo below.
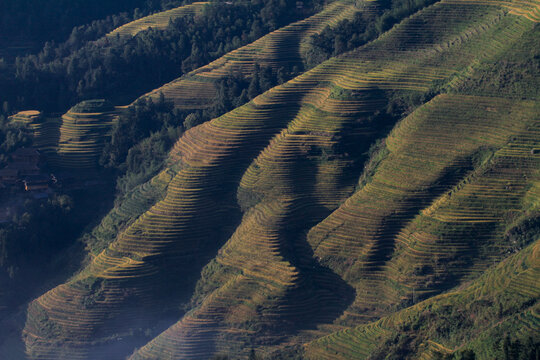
(503, 300)
(217, 319)
(196, 90)
(430, 202)
(280, 48)
(158, 21)
(274, 186)
(113, 265)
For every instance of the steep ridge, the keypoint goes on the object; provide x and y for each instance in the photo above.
(427, 203)
(265, 262)
(365, 244)
(266, 270)
(288, 133)
(465, 229)
(158, 21)
(108, 258)
(197, 89)
(509, 288)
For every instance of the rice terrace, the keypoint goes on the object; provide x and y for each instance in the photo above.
(263, 179)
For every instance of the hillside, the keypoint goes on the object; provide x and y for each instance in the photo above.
(382, 204)
(463, 318)
(157, 21)
(25, 25)
(279, 49)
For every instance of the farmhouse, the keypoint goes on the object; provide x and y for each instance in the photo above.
(24, 163)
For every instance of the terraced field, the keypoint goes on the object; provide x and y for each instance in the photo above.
(427, 203)
(27, 117)
(46, 135)
(272, 188)
(515, 279)
(83, 134)
(45, 130)
(197, 89)
(74, 140)
(216, 323)
(158, 21)
(528, 9)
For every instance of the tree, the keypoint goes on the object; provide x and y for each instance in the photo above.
(282, 75)
(254, 89)
(340, 45)
(5, 107)
(252, 355)
(192, 120)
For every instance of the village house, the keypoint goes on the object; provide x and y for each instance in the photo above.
(26, 155)
(36, 183)
(9, 176)
(24, 168)
(24, 162)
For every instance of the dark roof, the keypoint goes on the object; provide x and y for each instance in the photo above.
(22, 166)
(32, 179)
(9, 172)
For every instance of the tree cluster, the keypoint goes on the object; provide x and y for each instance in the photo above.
(46, 20)
(122, 69)
(32, 237)
(12, 137)
(143, 136)
(506, 349)
(364, 27)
